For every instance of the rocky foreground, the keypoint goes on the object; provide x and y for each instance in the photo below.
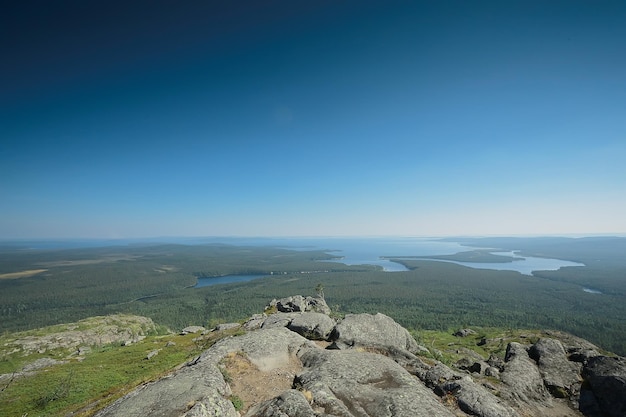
(299, 362)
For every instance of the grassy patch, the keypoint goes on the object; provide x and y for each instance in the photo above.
(447, 348)
(101, 376)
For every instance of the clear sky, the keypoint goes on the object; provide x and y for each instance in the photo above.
(304, 118)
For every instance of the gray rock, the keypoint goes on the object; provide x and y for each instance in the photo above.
(298, 303)
(478, 367)
(470, 354)
(41, 364)
(471, 397)
(212, 407)
(606, 378)
(278, 320)
(290, 304)
(582, 355)
(365, 330)
(192, 329)
(492, 371)
(199, 385)
(522, 378)
(289, 404)
(83, 350)
(314, 326)
(152, 354)
(476, 400)
(432, 376)
(317, 305)
(98, 331)
(464, 332)
(226, 326)
(255, 322)
(199, 389)
(267, 349)
(496, 362)
(560, 376)
(351, 383)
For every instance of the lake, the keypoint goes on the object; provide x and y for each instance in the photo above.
(368, 251)
(522, 264)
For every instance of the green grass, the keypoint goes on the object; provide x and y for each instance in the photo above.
(105, 374)
(445, 347)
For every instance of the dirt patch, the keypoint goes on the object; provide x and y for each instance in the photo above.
(22, 274)
(254, 386)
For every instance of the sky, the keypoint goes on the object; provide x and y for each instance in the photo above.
(312, 118)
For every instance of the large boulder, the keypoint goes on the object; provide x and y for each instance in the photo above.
(313, 326)
(475, 400)
(606, 384)
(377, 331)
(265, 348)
(560, 376)
(471, 397)
(297, 303)
(351, 383)
(522, 377)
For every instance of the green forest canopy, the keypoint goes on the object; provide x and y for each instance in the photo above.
(157, 281)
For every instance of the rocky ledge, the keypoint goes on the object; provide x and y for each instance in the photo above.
(299, 362)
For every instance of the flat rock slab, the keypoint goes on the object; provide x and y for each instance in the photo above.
(350, 383)
(372, 330)
(199, 389)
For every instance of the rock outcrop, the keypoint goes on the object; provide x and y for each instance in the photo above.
(561, 376)
(522, 377)
(298, 362)
(94, 331)
(354, 383)
(605, 387)
(374, 331)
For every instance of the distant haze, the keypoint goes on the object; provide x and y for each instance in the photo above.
(282, 118)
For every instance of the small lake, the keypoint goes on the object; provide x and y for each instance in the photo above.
(226, 279)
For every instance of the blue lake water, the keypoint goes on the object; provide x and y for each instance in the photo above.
(369, 251)
(522, 264)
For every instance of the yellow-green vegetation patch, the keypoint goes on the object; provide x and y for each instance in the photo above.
(485, 341)
(84, 383)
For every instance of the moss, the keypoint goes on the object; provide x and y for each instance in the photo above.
(558, 392)
(237, 402)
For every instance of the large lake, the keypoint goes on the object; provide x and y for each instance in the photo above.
(369, 251)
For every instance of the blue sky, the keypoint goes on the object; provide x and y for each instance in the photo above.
(282, 118)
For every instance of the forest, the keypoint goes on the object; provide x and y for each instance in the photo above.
(51, 286)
